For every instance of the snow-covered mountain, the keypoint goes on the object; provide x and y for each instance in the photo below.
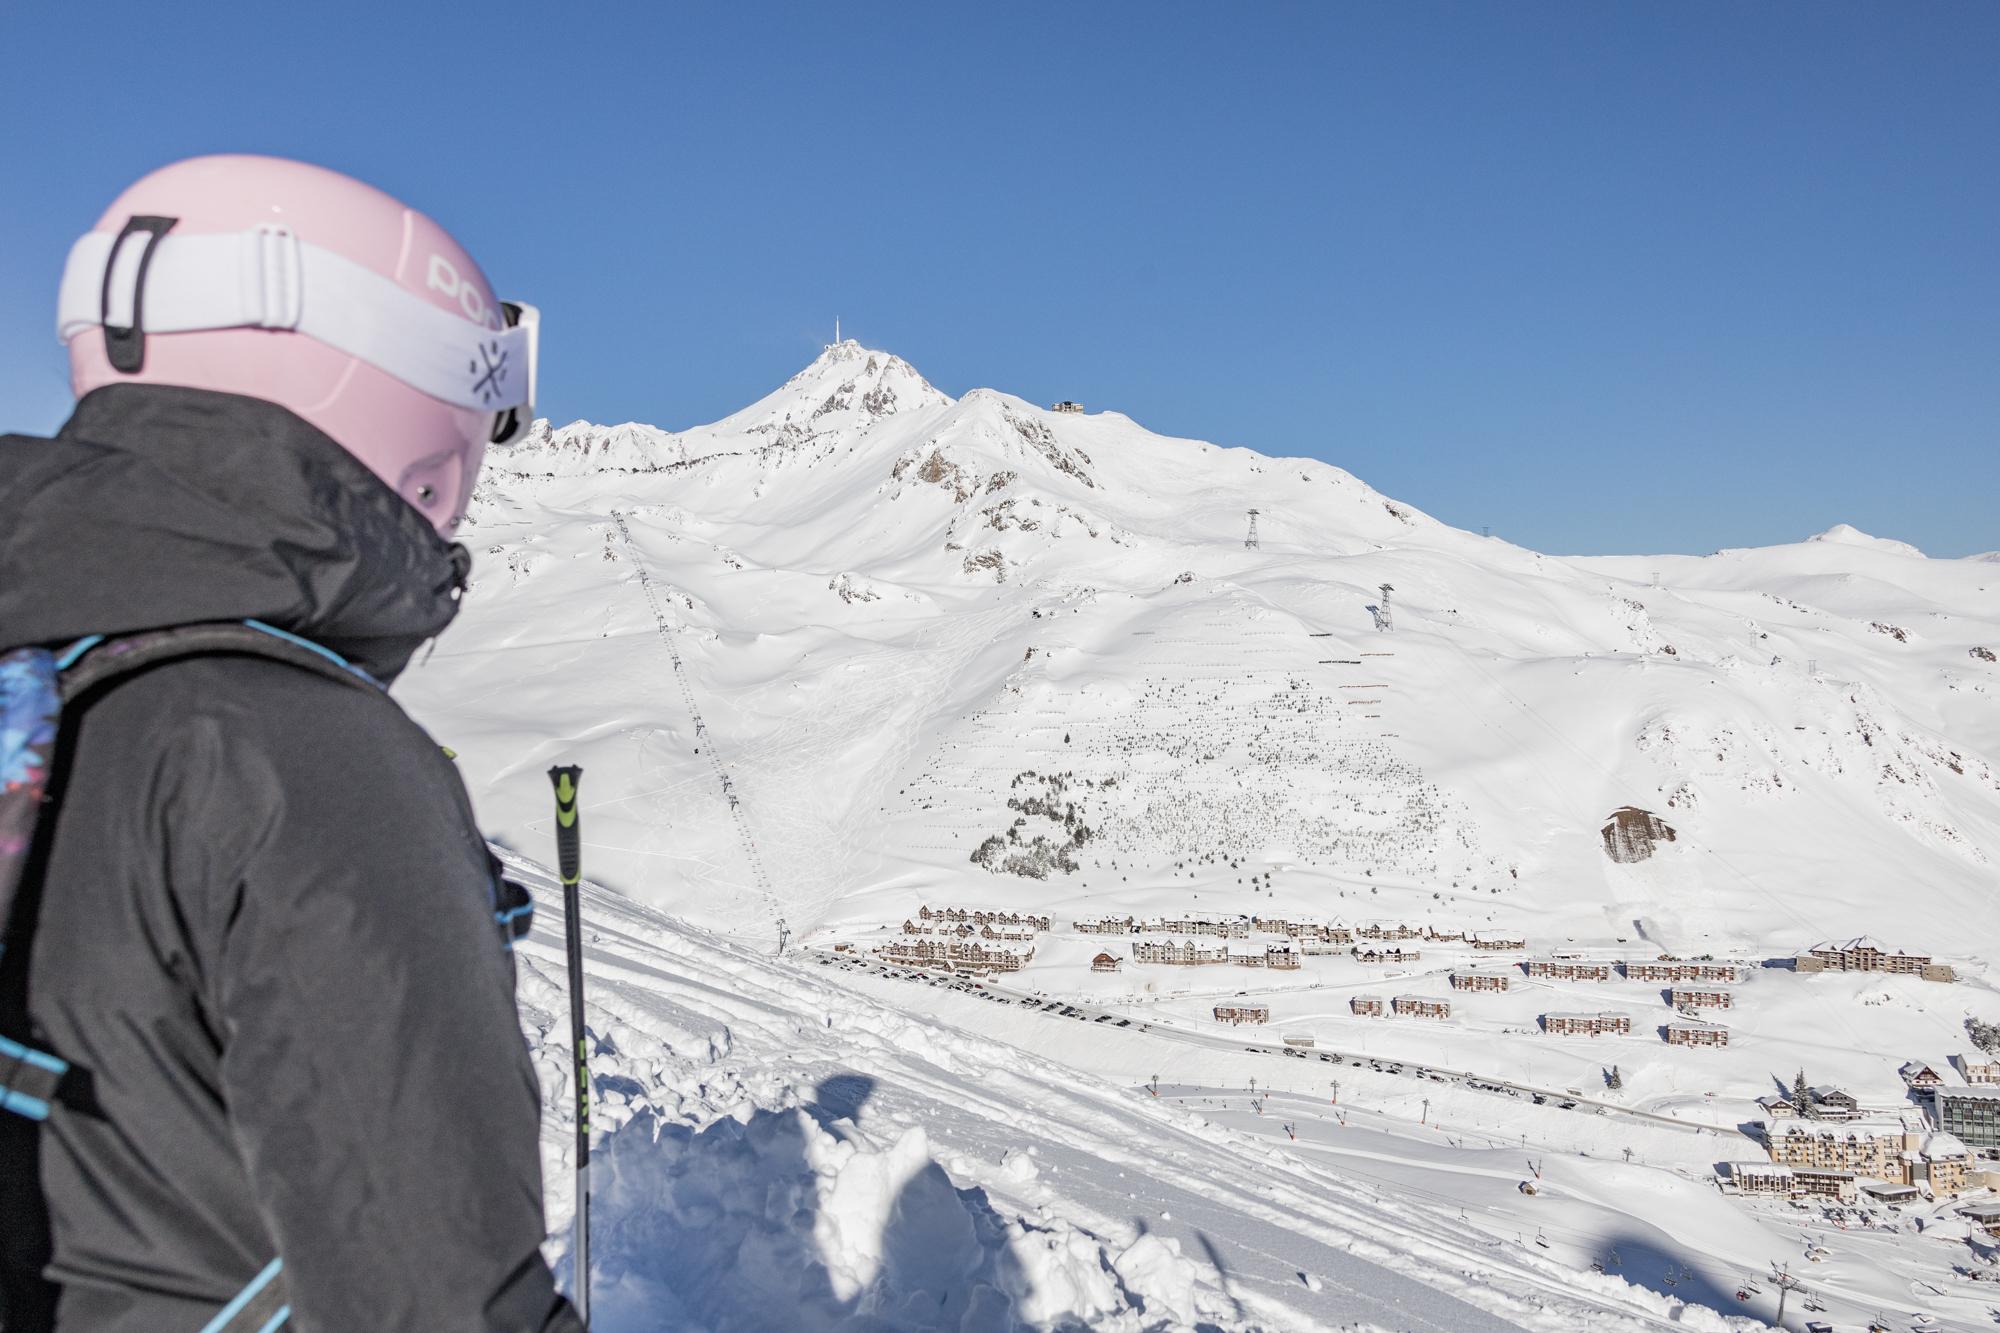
(861, 648)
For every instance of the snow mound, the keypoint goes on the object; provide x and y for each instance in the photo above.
(778, 1220)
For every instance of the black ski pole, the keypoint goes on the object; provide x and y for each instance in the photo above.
(569, 856)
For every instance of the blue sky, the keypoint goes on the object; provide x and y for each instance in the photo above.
(1637, 277)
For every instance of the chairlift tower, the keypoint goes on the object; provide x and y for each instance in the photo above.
(1383, 620)
(1250, 541)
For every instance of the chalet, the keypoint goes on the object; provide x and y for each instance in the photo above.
(1238, 1014)
(1679, 969)
(1419, 1006)
(1830, 1103)
(1281, 958)
(1108, 925)
(1586, 1025)
(1366, 953)
(1479, 981)
(1777, 1107)
(1444, 936)
(1066, 405)
(1977, 1068)
(1567, 969)
(1486, 939)
(1369, 1006)
(1700, 997)
(1917, 1074)
(1696, 1034)
(1104, 962)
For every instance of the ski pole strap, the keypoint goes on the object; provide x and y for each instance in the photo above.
(28, 1079)
(264, 1304)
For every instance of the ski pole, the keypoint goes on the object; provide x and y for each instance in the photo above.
(569, 857)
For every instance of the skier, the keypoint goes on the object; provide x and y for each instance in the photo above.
(257, 923)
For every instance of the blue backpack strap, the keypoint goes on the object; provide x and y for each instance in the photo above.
(30, 706)
(264, 1304)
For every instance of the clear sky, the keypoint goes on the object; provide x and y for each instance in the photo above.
(1605, 277)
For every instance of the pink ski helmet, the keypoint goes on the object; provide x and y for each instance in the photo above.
(303, 287)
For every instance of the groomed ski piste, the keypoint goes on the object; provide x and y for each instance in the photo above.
(863, 650)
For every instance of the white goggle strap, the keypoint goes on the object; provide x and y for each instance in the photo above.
(511, 425)
(267, 278)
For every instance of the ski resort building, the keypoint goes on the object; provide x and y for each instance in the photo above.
(1586, 1025)
(1238, 1014)
(1696, 1034)
(1971, 1114)
(1864, 953)
(1485, 939)
(1420, 1006)
(1237, 928)
(954, 955)
(1109, 925)
(1368, 1006)
(1831, 1103)
(1066, 406)
(1324, 931)
(1917, 1074)
(1479, 981)
(1700, 997)
(1777, 1107)
(1679, 969)
(1568, 969)
(1977, 1068)
(1775, 1180)
(1179, 953)
(1364, 953)
(1104, 962)
(1376, 930)
(1900, 1152)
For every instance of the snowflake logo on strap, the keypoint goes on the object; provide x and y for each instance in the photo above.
(489, 372)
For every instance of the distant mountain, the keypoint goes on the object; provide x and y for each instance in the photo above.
(889, 606)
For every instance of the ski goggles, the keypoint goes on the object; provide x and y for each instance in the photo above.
(144, 281)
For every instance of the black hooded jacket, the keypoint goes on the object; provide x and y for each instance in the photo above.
(264, 934)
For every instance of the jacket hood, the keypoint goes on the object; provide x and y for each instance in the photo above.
(157, 506)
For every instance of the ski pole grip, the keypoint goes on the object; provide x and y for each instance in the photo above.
(569, 849)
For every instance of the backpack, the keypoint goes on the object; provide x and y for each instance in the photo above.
(37, 686)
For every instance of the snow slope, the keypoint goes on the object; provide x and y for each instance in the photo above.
(780, 1151)
(818, 654)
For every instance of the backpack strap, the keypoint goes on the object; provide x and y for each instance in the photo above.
(101, 662)
(44, 683)
(264, 1304)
